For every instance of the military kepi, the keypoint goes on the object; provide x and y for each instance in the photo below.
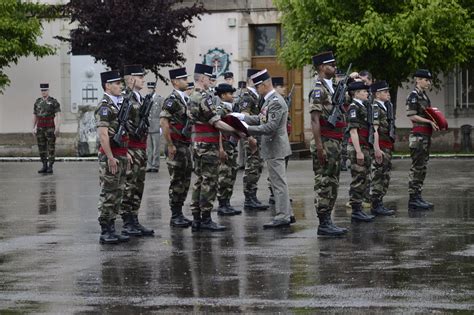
(423, 73)
(136, 70)
(190, 85)
(379, 86)
(242, 84)
(276, 81)
(251, 72)
(203, 69)
(151, 85)
(323, 58)
(354, 86)
(110, 76)
(228, 75)
(178, 73)
(44, 86)
(259, 77)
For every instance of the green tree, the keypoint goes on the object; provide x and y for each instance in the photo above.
(20, 27)
(390, 38)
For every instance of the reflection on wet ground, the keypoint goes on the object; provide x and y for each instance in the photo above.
(51, 261)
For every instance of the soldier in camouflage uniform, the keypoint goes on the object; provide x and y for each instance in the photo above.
(153, 141)
(227, 154)
(420, 138)
(359, 149)
(383, 146)
(46, 120)
(249, 104)
(135, 179)
(175, 125)
(326, 144)
(112, 158)
(205, 137)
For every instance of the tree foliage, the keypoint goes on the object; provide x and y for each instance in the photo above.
(118, 32)
(20, 27)
(390, 38)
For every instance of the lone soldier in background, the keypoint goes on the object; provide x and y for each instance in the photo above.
(229, 78)
(383, 146)
(112, 158)
(46, 121)
(359, 149)
(227, 154)
(153, 142)
(420, 138)
(205, 137)
(174, 120)
(275, 146)
(135, 180)
(249, 105)
(326, 144)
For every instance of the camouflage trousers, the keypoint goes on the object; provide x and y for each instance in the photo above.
(345, 141)
(360, 174)
(227, 172)
(381, 175)
(420, 154)
(253, 169)
(134, 182)
(111, 188)
(46, 143)
(206, 161)
(326, 177)
(180, 169)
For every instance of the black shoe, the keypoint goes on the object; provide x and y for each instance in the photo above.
(178, 219)
(208, 224)
(144, 230)
(196, 223)
(429, 204)
(379, 209)
(129, 227)
(415, 203)
(236, 212)
(223, 209)
(276, 224)
(328, 228)
(49, 170)
(121, 238)
(44, 168)
(105, 236)
(292, 219)
(360, 216)
(250, 204)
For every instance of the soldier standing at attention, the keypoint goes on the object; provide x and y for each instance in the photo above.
(205, 138)
(46, 121)
(153, 141)
(270, 124)
(326, 145)
(383, 146)
(174, 122)
(249, 105)
(359, 150)
(420, 138)
(135, 180)
(227, 154)
(112, 158)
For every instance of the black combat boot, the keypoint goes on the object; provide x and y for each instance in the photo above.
(360, 216)
(105, 236)
(223, 209)
(327, 227)
(236, 212)
(44, 168)
(260, 205)
(196, 224)
(379, 209)
(249, 203)
(429, 204)
(49, 170)
(178, 219)
(144, 230)
(208, 224)
(121, 238)
(129, 227)
(416, 203)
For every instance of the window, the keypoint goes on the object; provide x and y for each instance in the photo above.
(459, 87)
(266, 40)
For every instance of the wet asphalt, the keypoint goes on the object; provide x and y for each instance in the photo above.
(52, 263)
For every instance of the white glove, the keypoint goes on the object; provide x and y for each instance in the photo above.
(240, 116)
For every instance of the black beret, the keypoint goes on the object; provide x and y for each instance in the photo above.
(423, 73)
(228, 75)
(277, 81)
(379, 86)
(354, 86)
(224, 88)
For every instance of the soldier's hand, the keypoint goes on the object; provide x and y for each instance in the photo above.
(113, 165)
(435, 126)
(222, 155)
(34, 131)
(360, 158)
(378, 156)
(171, 151)
(253, 144)
(322, 157)
(56, 132)
(129, 161)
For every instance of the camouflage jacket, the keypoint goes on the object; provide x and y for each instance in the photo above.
(202, 107)
(248, 103)
(46, 107)
(106, 115)
(416, 103)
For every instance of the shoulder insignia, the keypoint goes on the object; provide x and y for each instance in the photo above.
(316, 93)
(275, 98)
(353, 113)
(169, 103)
(376, 114)
(208, 100)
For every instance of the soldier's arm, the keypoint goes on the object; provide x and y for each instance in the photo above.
(57, 122)
(252, 119)
(165, 128)
(275, 114)
(105, 144)
(412, 110)
(35, 121)
(316, 128)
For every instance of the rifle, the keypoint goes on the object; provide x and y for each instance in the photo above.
(289, 97)
(391, 120)
(338, 99)
(144, 114)
(122, 117)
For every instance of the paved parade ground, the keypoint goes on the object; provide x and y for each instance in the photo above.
(51, 261)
